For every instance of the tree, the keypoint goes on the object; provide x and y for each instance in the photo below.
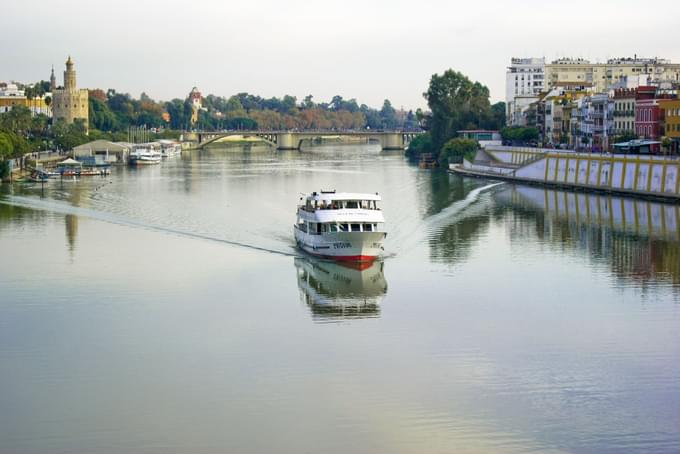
(101, 116)
(388, 115)
(97, 94)
(17, 120)
(6, 146)
(421, 144)
(519, 134)
(6, 152)
(308, 102)
(666, 144)
(288, 103)
(498, 119)
(68, 136)
(241, 124)
(456, 103)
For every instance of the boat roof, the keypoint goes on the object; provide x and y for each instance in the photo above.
(326, 195)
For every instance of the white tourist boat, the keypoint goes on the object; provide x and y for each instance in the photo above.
(340, 226)
(170, 148)
(144, 156)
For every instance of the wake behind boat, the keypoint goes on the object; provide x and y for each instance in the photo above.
(340, 226)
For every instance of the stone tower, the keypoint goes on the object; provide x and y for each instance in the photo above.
(69, 75)
(70, 103)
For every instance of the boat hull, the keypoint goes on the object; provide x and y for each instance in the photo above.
(144, 162)
(342, 246)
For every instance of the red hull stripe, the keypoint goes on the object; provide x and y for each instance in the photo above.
(347, 258)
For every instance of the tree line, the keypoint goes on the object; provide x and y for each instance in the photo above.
(111, 111)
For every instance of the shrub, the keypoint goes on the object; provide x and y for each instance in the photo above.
(455, 150)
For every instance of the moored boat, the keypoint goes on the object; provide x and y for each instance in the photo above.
(170, 148)
(144, 156)
(340, 226)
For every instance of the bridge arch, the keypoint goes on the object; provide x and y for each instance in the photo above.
(209, 138)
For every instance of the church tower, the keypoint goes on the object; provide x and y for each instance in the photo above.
(53, 81)
(69, 103)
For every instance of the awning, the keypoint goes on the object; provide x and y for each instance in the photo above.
(636, 143)
(70, 163)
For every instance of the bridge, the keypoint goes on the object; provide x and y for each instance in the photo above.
(292, 140)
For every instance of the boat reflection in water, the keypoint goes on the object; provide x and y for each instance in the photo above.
(339, 291)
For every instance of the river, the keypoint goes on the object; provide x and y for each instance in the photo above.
(165, 309)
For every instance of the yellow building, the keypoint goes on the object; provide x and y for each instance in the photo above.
(671, 115)
(11, 95)
(603, 75)
(70, 103)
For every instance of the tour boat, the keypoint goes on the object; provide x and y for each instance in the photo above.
(340, 226)
(144, 156)
(170, 148)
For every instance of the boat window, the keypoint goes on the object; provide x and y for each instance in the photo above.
(368, 227)
(352, 204)
(375, 227)
(344, 228)
(356, 227)
(333, 227)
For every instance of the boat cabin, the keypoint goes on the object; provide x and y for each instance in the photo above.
(340, 201)
(319, 228)
(317, 214)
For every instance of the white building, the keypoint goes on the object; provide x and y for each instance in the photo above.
(524, 81)
(603, 75)
(11, 95)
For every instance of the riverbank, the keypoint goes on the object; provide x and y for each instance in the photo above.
(653, 177)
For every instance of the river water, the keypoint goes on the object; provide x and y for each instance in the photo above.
(166, 310)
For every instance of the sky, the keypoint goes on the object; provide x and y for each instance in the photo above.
(370, 50)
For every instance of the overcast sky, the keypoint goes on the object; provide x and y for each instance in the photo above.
(368, 50)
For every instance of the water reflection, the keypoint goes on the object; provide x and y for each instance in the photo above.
(638, 239)
(336, 291)
(71, 224)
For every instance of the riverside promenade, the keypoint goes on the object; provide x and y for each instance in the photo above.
(637, 175)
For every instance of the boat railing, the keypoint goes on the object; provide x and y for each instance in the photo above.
(333, 207)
